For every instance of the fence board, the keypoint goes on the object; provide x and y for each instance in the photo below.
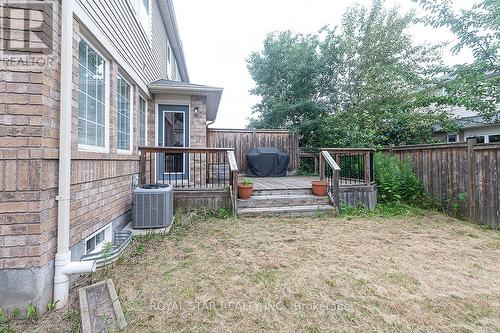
(449, 170)
(244, 140)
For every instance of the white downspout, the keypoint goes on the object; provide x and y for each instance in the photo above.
(63, 265)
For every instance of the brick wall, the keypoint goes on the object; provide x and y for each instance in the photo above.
(101, 184)
(29, 99)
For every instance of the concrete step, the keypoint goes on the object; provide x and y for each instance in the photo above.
(295, 191)
(283, 200)
(310, 210)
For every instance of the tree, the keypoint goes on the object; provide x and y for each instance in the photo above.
(286, 74)
(346, 86)
(473, 85)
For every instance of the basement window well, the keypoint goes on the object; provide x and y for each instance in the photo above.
(96, 241)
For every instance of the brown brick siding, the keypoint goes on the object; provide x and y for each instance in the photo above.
(101, 184)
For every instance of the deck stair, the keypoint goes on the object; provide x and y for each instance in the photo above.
(287, 202)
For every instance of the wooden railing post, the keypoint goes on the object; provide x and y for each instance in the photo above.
(142, 168)
(321, 166)
(367, 168)
(334, 187)
(233, 179)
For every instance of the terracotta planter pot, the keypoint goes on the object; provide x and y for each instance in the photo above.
(245, 191)
(319, 187)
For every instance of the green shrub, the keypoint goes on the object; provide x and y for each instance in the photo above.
(396, 180)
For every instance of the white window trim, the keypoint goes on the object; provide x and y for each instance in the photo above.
(145, 120)
(98, 149)
(131, 115)
(108, 237)
(145, 27)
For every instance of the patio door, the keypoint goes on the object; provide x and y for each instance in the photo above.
(173, 131)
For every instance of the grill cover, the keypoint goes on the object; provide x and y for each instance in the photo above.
(267, 162)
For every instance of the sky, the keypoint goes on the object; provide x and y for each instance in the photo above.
(219, 35)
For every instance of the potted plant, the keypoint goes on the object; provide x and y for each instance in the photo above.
(245, 189)
(319, 187)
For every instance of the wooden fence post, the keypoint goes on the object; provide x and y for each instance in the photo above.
(391, 147)
(471, 177)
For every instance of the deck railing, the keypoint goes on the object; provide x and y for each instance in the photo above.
(188, 168)
(356, 165)
(330, 171)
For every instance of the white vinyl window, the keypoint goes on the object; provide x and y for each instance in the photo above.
(169, 59)
(91, 97)
(174, 70)
(142, 12)
(142, 122)
(96, 241)
(124, 116)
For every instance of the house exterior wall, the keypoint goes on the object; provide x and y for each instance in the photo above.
(484, 130)
(117, 21)
(101, 183)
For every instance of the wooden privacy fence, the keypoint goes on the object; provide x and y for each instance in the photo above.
(465, 175)
(244, 140)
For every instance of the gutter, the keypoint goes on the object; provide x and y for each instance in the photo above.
(64, 267)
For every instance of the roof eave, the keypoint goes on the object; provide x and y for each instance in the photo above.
(213, 95)
(168, 15)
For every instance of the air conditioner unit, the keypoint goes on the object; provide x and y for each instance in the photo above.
(153, 206)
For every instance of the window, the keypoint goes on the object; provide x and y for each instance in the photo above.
(142, 121)
(479, 138)
(91, 97)
(95, 242)
(494, 138)
(452, 138)
(174, 70)
(124, 124)
(169, 59)
(142, 13)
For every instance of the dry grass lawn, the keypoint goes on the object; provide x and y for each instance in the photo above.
(415, 274)
(419, 274)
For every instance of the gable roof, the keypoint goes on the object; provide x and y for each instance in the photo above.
(213, 94)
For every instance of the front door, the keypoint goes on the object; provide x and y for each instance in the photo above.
(173, 131)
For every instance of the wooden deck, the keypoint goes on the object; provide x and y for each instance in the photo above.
(283, 183)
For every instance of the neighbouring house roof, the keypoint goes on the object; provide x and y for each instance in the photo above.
(168, 16)
(472, 122)
(213, 94)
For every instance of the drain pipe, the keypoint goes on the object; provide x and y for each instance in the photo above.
(63, 265)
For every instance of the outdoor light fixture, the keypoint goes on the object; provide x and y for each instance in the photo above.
(196, 110)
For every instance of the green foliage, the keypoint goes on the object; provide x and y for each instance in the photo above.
(51, 306)
(349, 86)
(247, 182)
(219, 214)
(16, 313)
(73, 317)
(31, 312)
(471, 85)
(396, 181)
(386, 210)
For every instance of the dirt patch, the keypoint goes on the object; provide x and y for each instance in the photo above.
(421, 274)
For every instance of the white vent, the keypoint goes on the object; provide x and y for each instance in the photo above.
(153, 206)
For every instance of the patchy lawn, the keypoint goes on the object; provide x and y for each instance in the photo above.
(416, 274)
(426, 273)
